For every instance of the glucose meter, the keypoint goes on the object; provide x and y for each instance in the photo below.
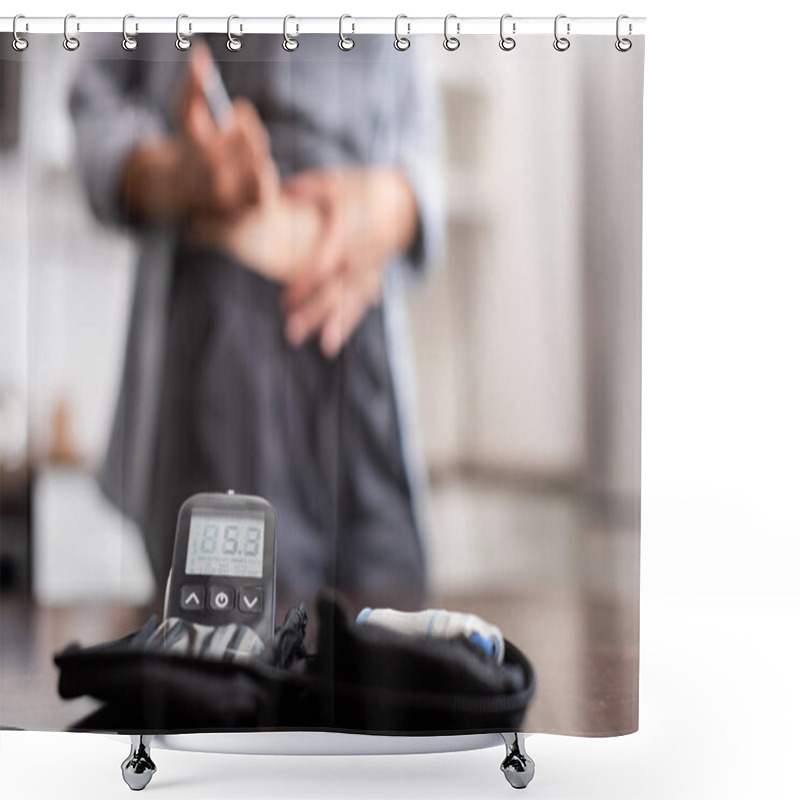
(223, 563)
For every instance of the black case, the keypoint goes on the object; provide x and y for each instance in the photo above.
(363, 679)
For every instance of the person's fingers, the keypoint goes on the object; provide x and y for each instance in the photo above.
(356, 298)
(270, 181)
(239, 166)
(195, 75)
(341, 323)
(309, 318)
(200, 57)
(323, 260)
(195, 115)
(198, 124)
(260, 175)
(247, 117)
(342, 191)
(321, 188)
(225, 185)
(237, 162)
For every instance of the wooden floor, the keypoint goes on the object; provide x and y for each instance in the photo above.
(584, 649)
(559, 575)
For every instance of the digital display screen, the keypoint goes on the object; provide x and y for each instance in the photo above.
(226, 544)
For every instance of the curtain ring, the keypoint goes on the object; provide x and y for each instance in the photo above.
(507, 42)
(623, 44)
(18, 43)
(401, 42)
(234, 43)
(290, 43)
(128, 42)
(451, 43)
(345, 42)
(181, 42)
(71, 43)
(561, 43)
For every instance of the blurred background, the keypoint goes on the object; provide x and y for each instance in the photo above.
(528, 375)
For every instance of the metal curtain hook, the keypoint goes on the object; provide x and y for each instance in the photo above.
(290, 43)
(181, 42)
(18, 43)
(71, 43)
(507, 42)
(561, 43)
(400, 42)
(451, 42)
(345, 42)
(128, 42)
(233, 44)
(623, 44)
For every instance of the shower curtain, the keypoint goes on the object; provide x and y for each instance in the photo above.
(393, 290)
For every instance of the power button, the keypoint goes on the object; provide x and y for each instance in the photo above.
(220, 598)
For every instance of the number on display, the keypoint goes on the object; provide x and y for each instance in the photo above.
(230, 540)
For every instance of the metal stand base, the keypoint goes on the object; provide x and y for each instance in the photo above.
(517, 766)
(138, 768)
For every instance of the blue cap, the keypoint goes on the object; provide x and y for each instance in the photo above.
(488, 644)
(363, 616)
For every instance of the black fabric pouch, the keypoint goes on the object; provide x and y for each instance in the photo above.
(362, 679)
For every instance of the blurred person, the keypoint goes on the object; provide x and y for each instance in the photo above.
(267, 348)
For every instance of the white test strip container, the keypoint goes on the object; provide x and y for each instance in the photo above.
(437, 622)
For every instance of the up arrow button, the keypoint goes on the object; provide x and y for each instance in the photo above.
(192, 597)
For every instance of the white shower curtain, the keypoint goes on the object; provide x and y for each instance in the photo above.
(454, 421)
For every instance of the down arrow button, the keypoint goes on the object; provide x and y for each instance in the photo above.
(251, 601)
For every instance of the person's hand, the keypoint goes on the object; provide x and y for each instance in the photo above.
(226, 167)
(368, 214)
(208, 168)
(335, 307)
